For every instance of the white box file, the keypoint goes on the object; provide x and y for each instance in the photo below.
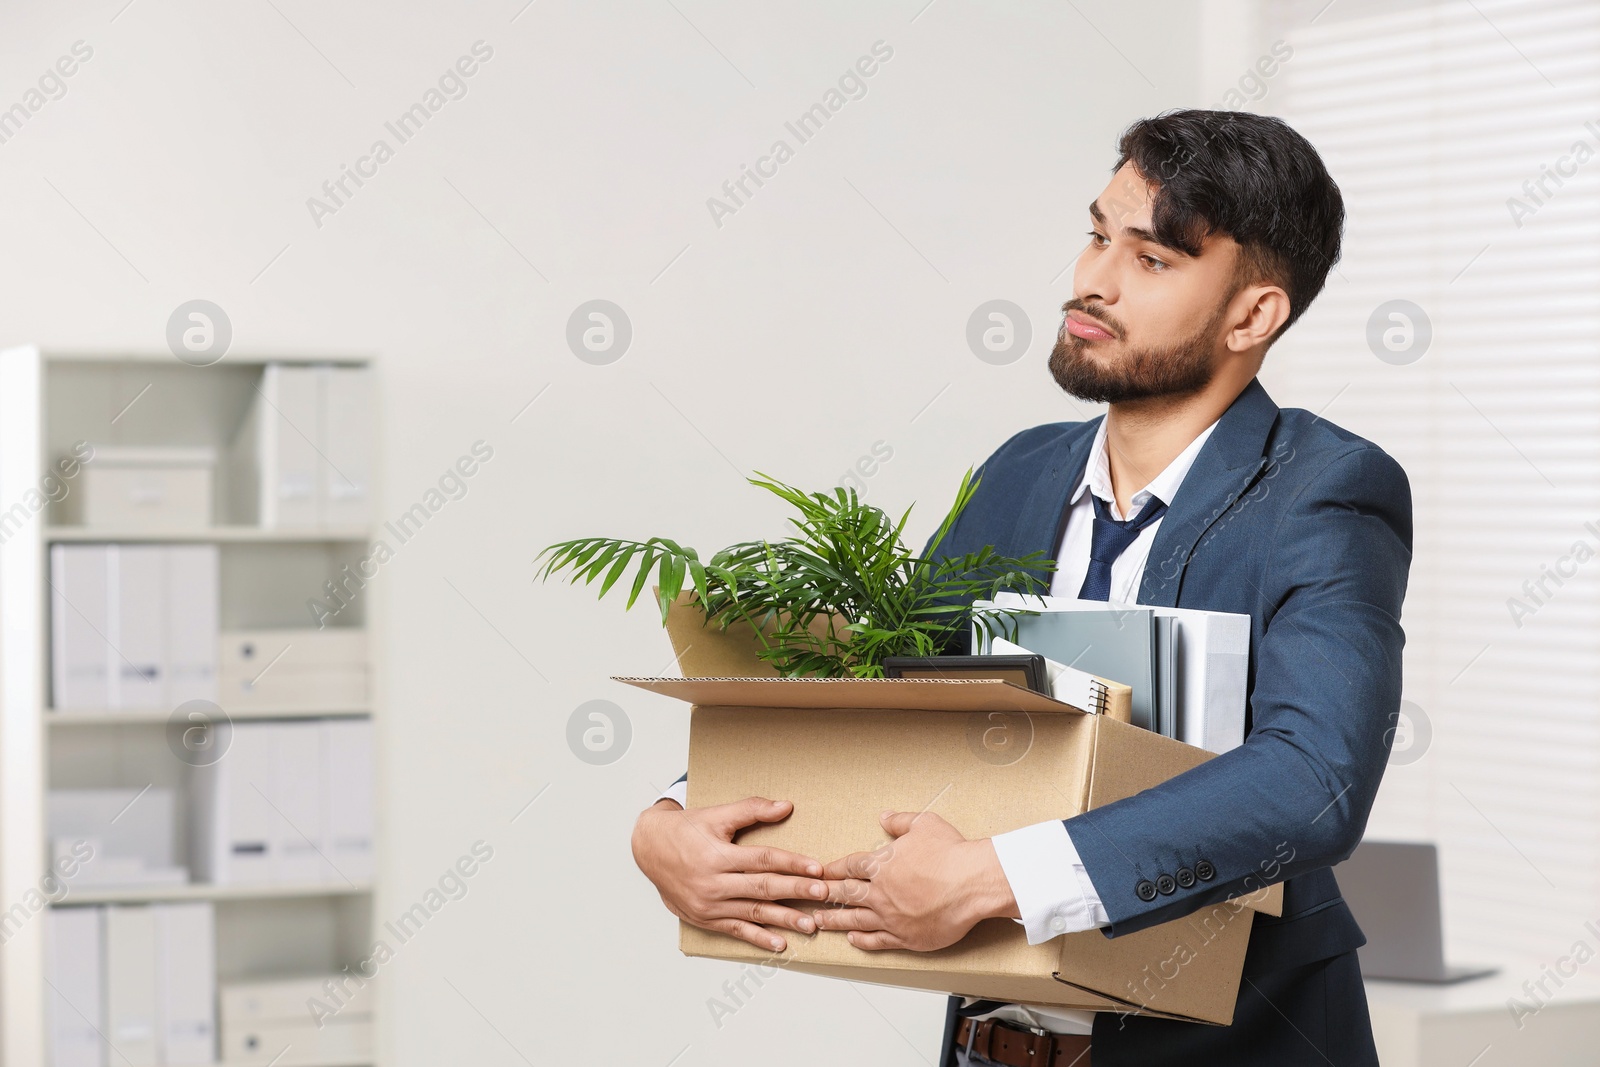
(299, 669)
(265, 1020)
(125, 487)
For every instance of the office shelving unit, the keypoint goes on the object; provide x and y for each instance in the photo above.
(49, 399)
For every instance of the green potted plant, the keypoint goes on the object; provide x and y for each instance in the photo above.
(832, 600)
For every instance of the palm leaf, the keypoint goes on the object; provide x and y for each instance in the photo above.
(845, 558)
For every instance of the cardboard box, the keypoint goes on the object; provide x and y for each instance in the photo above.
(705, 648)
(845, 749)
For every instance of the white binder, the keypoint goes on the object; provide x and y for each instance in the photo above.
(130, 948)
(298, 800)
(138, 625)
(347, 441)
(186, 983)
(74, 1008)
(348, 767)
(235, 827)
(286, 420)
(192, 623)
(81, 657)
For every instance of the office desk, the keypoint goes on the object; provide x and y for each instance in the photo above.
(1468, 1024)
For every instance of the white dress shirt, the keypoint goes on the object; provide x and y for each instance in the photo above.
(678, 791)
(1054, 893)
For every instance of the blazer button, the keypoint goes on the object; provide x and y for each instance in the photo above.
(1165, 884)
(1185, 877)
(1204, 871)
(1146, 890)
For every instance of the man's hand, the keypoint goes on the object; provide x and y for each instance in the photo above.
(923, 890)
(710, 882)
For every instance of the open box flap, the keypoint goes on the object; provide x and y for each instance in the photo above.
(1133, 1008)
(904, 694)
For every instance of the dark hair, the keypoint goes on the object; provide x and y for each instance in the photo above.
(1250, 177)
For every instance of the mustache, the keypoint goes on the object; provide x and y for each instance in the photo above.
(1094, 311)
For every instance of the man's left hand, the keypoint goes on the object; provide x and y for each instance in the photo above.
(921, 891)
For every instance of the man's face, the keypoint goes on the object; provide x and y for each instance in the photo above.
(1145, 319)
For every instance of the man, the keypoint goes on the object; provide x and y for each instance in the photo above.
(1214, 234)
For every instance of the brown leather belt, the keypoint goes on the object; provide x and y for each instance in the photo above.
(1016, 1046)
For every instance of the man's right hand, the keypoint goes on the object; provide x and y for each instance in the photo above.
(708, 881)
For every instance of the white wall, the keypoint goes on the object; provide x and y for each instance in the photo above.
(826, 315)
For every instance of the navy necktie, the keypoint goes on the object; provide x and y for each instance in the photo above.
(1109, 540)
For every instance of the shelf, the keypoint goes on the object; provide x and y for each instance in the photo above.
(49, 400)
(215, 534)
(141, 894)
(157, 716)
(166, 358)
(358, 1061)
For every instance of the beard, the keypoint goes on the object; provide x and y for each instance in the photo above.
(1176, 370)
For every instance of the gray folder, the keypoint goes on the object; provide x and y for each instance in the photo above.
(1167, 662)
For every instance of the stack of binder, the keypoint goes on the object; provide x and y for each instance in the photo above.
(132, 625)
(302, 458)
(1187, 668)
(289, 802)
(131, 985)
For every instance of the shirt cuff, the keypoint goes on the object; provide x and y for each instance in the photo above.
(1053, 891)
(678, 791)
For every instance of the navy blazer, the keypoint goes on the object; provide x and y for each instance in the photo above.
(1306, 528)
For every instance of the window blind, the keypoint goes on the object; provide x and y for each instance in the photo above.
(1466, 140)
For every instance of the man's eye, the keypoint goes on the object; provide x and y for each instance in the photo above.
(1154, 263)
(1094, 236)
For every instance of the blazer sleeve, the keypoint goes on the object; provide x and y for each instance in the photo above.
(1296, 795)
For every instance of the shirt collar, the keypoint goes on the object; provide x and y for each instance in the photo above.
(1164, 486)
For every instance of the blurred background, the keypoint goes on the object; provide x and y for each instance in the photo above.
(197, 185)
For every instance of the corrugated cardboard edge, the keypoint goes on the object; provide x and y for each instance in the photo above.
(884, 694)
(706, 650)
(1087, 1000)
(1131, 1008)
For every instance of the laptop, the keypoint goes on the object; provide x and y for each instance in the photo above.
(1392, 888)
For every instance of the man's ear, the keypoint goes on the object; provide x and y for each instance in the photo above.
(1257, 312)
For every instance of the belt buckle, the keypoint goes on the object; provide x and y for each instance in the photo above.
(1045, 1040)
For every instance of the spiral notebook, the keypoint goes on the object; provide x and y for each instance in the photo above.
(1119, 644)
(1067, 684)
